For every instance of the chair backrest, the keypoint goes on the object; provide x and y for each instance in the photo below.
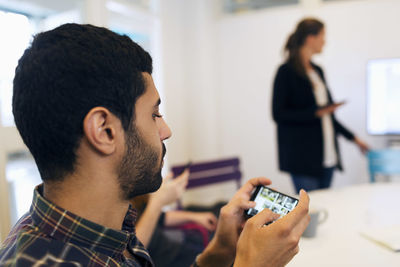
(386, 161)
(211, 172)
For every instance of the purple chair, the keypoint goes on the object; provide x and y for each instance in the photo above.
(211, 172)
(208, 173)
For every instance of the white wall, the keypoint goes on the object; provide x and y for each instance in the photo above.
(189, 53)
(219, 72)
(190, 86)
(172, 39)
(249, 52)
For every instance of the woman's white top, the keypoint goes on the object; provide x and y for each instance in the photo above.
(321, 98)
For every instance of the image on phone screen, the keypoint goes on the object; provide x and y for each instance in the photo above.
(275, 201)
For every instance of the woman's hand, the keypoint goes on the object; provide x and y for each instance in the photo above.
(362, 145)
(328, 109)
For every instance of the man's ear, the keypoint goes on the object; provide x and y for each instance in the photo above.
(101, 129)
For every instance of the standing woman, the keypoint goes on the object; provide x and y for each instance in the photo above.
(304, 112)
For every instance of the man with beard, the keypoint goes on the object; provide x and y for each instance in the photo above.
(86, 106)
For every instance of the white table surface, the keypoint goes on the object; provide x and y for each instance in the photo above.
(352, 209)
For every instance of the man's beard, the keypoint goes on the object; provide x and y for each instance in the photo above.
(140, 169)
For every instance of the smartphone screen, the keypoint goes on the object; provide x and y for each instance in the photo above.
(275, 201)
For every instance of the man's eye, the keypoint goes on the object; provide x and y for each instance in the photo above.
(157, 115)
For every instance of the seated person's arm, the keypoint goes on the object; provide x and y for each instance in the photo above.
(258, 245)
(177, 217)
(170, 191)
(147, 222)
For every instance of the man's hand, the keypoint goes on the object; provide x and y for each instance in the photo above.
(222, 248)
(232, 215)
(275, 244)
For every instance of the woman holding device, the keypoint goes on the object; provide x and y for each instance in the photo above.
(303, 109)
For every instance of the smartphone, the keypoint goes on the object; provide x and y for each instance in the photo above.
(267, 198)
(340, 102)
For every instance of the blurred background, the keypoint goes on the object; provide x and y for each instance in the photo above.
(214, 63)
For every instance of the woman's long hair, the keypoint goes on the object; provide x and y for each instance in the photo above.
(306, 27)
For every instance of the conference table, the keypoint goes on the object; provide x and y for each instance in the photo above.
(351, 211)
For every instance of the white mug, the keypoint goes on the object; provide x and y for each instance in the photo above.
(316, 217)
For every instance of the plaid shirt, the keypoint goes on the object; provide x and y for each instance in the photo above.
(51, 236)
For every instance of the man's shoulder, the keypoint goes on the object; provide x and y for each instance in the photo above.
(22, 239)
(24, 225)
(30, 247)
(26, 244)
(20, 242)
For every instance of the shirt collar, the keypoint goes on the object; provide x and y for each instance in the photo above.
(63, 225)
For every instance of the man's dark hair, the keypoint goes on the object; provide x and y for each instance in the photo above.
(65, 73)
